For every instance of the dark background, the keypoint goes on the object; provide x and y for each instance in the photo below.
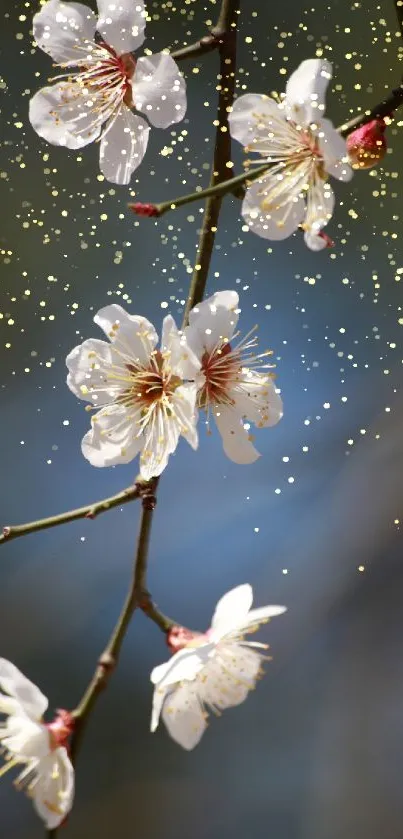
(317, 751)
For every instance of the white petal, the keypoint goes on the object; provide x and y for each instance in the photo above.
(306, 90)
(25, 737)
(58, 114)
(231, 610)
(159, 695)
(53, 793)
(132, 335)
(258, 401)
(13, 682)
(184, 717)
(230, 677)
(259, 615)
(159, 89)
(334, 150)
(87, 378)
(245, 119)
(283, 218)
(182, 360)
(236, 443)
(184, 404)
(184, 665)
(320, 206)
(122, 23)
(61, 28)
(314, 241)
(161, 436)
(212, 320)
(113, 437)
(123, 146)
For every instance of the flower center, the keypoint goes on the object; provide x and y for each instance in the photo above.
(152, 384)
(220, 367)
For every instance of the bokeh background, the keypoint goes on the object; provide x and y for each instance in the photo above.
(317, 750)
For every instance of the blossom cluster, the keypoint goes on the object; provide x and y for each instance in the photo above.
(106, 93)
(145, 398)
(212, 670)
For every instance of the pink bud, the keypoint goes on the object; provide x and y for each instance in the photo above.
(144, 209)
(367, 145)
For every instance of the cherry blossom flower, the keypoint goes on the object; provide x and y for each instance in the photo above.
(48, 774)
(146, 397)
(232, 387)
(304, 149)
(102, 81)
(214, 670)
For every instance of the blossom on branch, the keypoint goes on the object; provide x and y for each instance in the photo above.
(367, 145)
(304, 149)
(145, 398)
(48, 774)
(214, 670)
(233, 387)
(102, 81)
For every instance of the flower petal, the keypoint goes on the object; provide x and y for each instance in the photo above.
(306, 89)
(236, 442)
(159, 89)
(314, 241)
(60, 29)
(87, 377)
(230, 676)
(183, 665)
(256, 616)
(182, 360)
(283, 218)
(122, 23)
(231, 610)
(13, 682)
(258, 401)
(53, 792)
(123, 146)
(25, 738)
(253, 116)
(183, 716)
(334, 151)
(58, 114)
(320, 207)
(132, 336)
(113, 437)
(211, 321)
(161, 436)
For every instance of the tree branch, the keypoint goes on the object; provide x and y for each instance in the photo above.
(138, 595)
(91, 511)
(383, 109)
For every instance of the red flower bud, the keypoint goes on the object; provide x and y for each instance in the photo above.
(367, 145)
(144, 209)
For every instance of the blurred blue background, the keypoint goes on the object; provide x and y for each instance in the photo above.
(317, 751)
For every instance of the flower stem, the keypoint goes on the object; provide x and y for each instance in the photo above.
(88, 512)
(217, 189)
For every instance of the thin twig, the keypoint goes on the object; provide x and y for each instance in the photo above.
(383, 109)
(217, 189)
(90, 511)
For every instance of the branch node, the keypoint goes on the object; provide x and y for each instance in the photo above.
(6, 532)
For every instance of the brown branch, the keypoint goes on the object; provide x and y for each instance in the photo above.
(90, 511)
(383, 109)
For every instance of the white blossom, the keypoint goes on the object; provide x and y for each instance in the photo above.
(304, 149)
(214, 670)
(145, 398)
(48, 774)
(233, 388)
(102, 81)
